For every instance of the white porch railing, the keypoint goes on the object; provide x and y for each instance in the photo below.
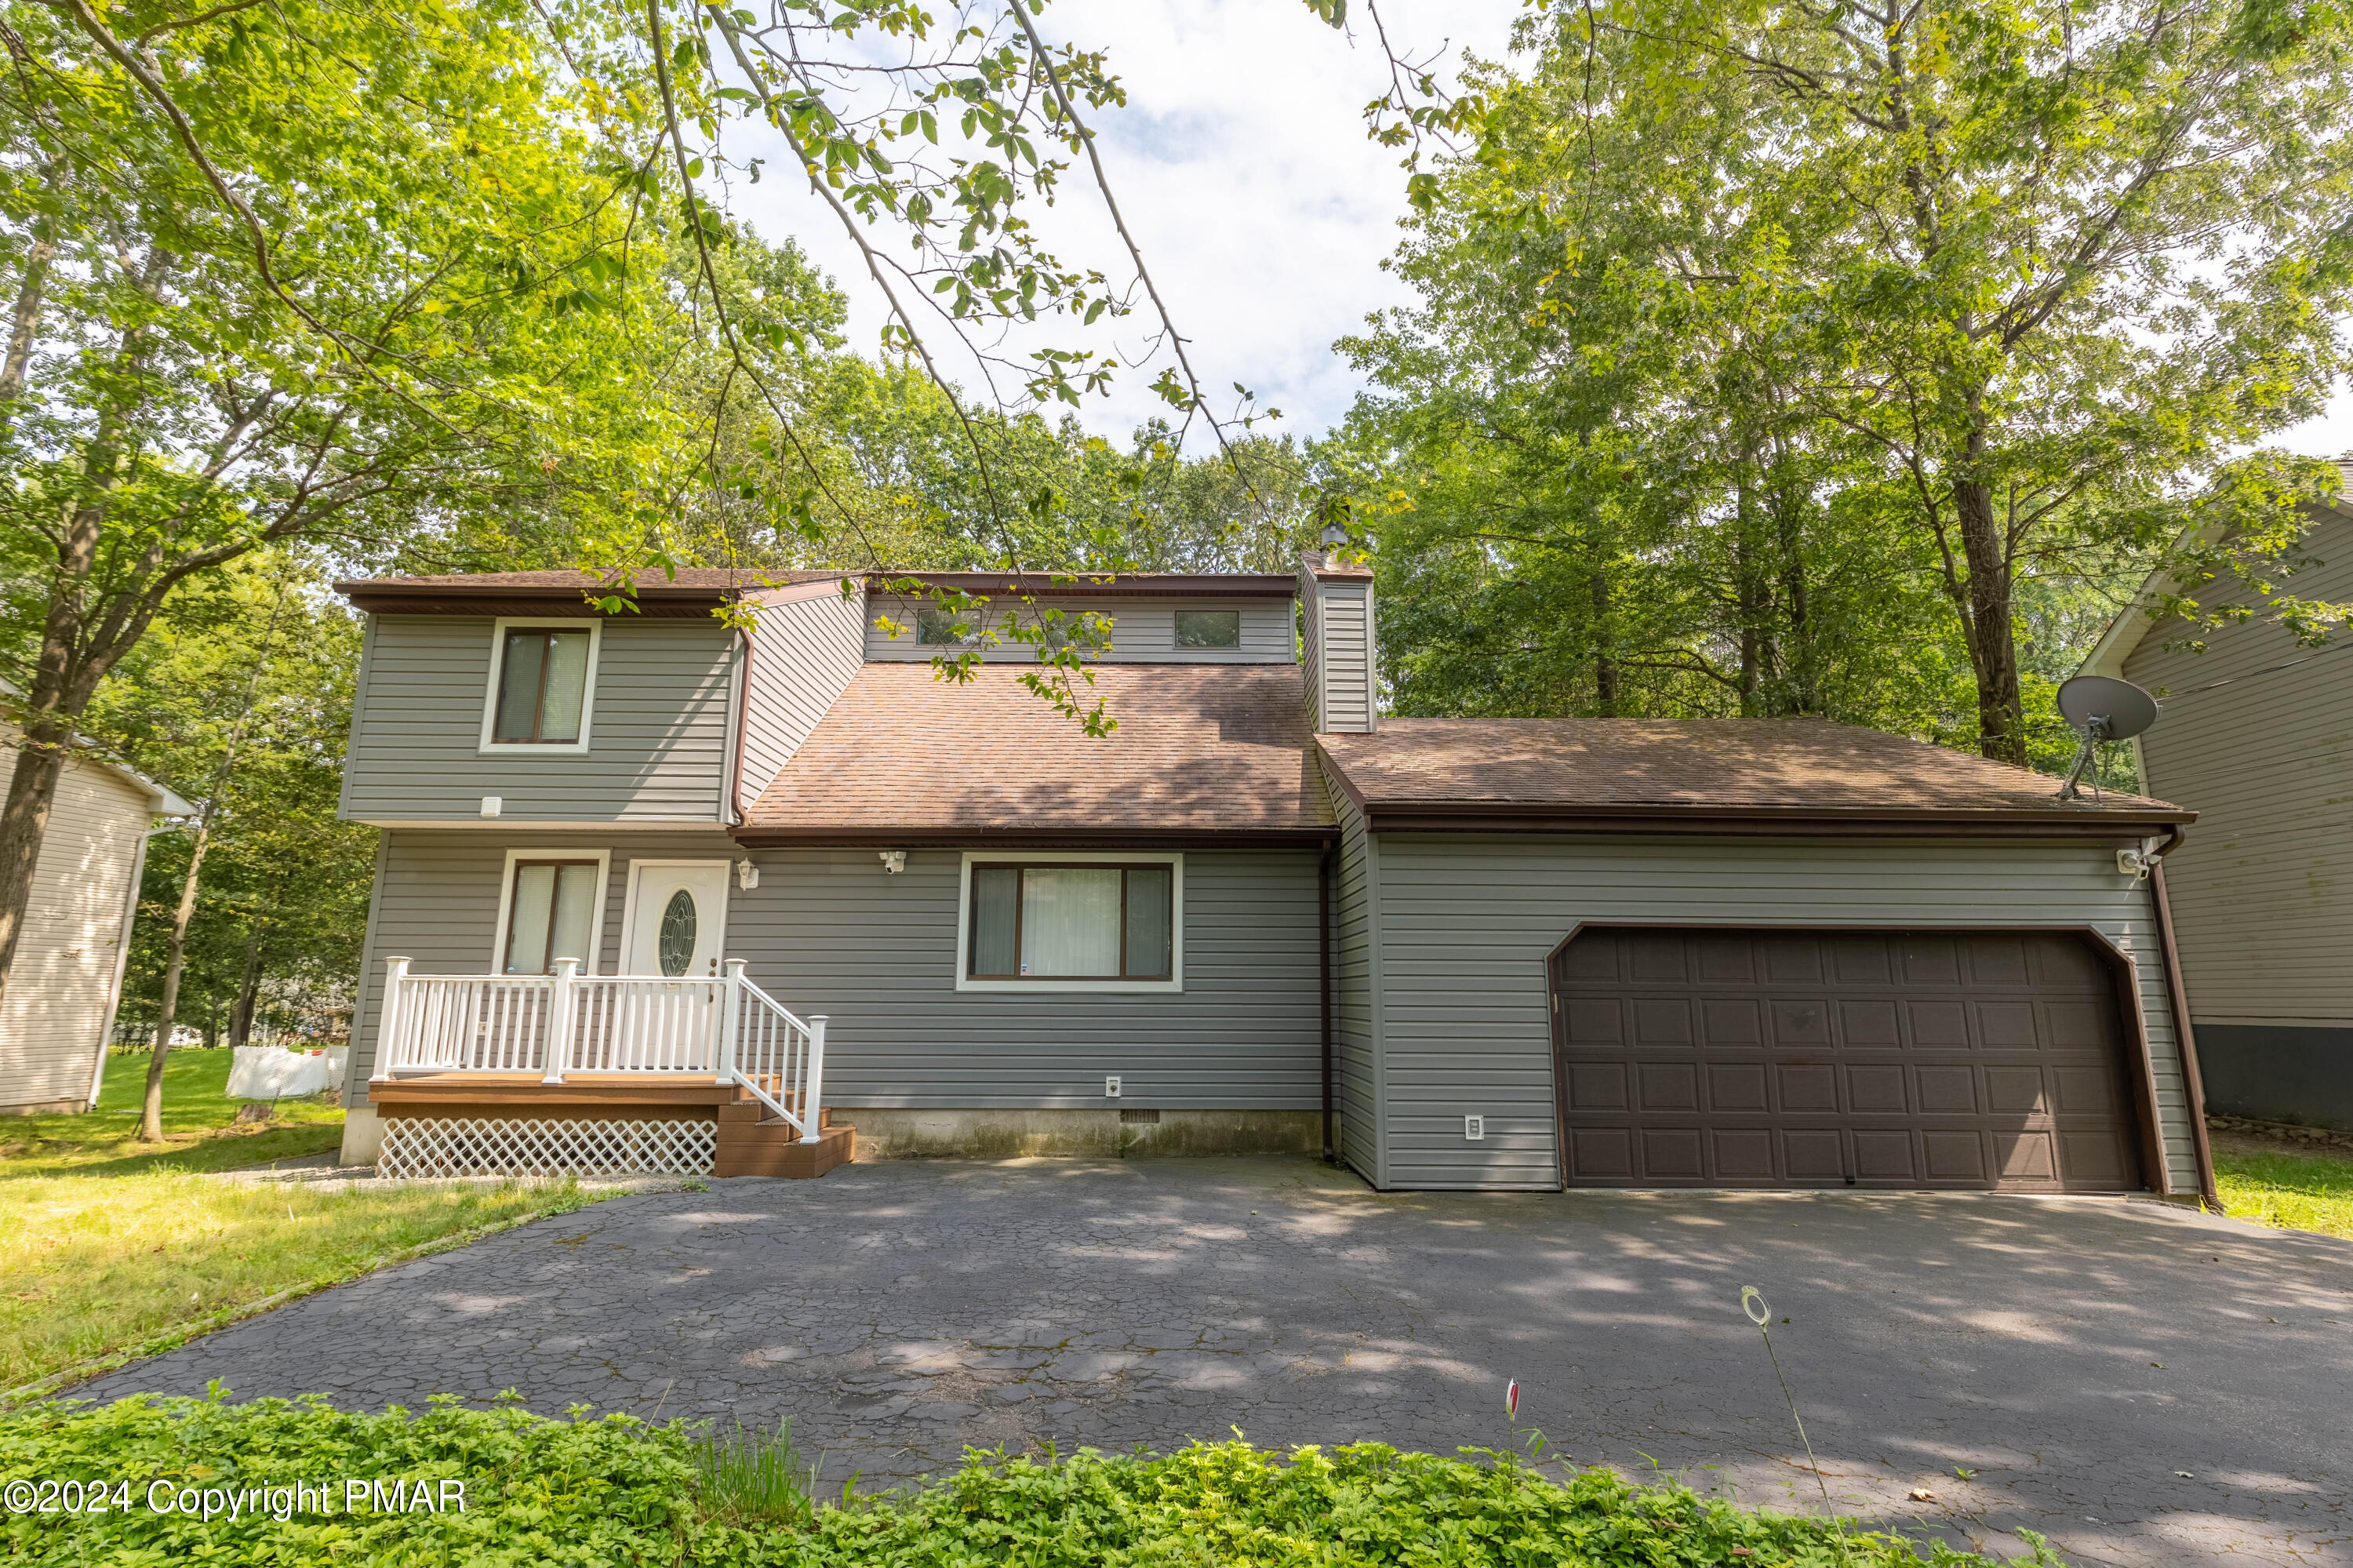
(570, 1023)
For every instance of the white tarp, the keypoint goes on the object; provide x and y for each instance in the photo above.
(274, 1073)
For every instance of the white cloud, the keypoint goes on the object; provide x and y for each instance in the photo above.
(1242, 166)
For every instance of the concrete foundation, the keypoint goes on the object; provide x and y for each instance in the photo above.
(363, 1136)
(918, 1133)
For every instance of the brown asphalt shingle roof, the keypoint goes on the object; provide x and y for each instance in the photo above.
(1695, 766)
(1218, 748)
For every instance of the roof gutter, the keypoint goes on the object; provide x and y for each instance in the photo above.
(755, 836)
(1523, 816)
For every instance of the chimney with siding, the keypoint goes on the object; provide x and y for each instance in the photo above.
(1335, 604)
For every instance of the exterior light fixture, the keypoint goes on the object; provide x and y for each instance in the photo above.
(893, 861)
(748, 876)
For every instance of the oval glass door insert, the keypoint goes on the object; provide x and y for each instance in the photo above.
(675, 947)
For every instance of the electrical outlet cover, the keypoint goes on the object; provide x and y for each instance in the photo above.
(1474, 1129)
(1111, 1086)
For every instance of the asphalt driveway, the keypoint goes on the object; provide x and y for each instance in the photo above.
(2139, 1383)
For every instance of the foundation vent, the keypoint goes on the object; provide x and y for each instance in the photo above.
(1139, 1119)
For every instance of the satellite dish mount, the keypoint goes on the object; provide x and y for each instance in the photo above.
(2101, 709)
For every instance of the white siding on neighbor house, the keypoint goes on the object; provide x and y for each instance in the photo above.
(2263, 888)
(658, 732)
(61, 987)
(436, 903)
(830, 932)
(805, 650)
(1356, 974)
(1468, 924)
(1144, 631)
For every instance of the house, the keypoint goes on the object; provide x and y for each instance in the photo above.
(2259, 732)
(66, 980)
(809, 886)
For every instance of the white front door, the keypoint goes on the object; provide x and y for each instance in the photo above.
(678, 918)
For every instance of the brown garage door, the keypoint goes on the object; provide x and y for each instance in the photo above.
(1714, 1058)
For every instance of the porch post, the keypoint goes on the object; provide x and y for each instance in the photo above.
(387, 1018)
(731, 1020)
(559, 1019)
(809, 1103)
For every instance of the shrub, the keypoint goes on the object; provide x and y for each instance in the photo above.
(613, 1491)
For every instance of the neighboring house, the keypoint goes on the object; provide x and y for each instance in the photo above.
(66, 979)
(2259, 733)
(806, 879)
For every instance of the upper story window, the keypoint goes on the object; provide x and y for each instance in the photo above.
(948, 628)
(1098, 923)
(543, 685)
(1209, 628)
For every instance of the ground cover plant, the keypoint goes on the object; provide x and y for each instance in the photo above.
(614, 1490)
(2290, 1187)
(111, 1247)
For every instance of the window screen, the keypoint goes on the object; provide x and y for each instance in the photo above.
(1209, 628)
(551, 915)
(543, 687)
(1073, 922)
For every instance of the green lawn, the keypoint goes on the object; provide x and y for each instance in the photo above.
(198, 1132)
(110, 1247)
(2287, 1187)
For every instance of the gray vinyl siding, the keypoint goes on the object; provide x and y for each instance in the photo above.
(1356, 973)
(1467, 926)
(1143, 631)
(1342, 695)
(803, 654)
(658, 733)
(830, 932)
(436, 903)
(2263, 888)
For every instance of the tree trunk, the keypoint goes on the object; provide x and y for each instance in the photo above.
(1605, 659)
(151, 1112)
(1993, 649)
(248, 992)
(25, 322)
(1804, 664)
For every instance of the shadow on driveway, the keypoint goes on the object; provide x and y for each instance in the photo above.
(2077, 1355)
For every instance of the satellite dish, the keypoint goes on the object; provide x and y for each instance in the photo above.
(2106, 709)
(2101, 708)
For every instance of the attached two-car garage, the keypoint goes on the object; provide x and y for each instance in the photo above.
(1712, 1057)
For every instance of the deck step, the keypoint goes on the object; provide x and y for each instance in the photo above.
(752, 1143)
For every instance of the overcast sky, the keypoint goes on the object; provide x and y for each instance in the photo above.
(1241, 164)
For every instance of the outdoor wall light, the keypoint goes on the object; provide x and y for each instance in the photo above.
(748, 876)
(893, 861)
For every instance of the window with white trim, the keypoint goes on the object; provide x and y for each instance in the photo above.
(541, 686)
(1075, 921)
(551, 915)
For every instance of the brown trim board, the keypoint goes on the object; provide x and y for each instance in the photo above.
(2123, 975)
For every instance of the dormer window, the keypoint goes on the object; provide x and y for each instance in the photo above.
(543, 685)
(1209, 628)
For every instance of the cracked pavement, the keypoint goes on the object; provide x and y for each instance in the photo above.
(2140, 1383)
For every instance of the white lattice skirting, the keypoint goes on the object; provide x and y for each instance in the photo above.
(414, 1146)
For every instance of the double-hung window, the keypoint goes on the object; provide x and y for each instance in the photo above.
(1105, 923)
(543, 683)
(551, 915)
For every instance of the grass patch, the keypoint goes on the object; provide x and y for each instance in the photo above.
(99, 1265)
(198, 1134)
(2289, 1188)
(614, 1491)
(111, 1247)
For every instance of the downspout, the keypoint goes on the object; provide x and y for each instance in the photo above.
(121, 961)
(741, 717)
(1323, 954)
(2186, 1037)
